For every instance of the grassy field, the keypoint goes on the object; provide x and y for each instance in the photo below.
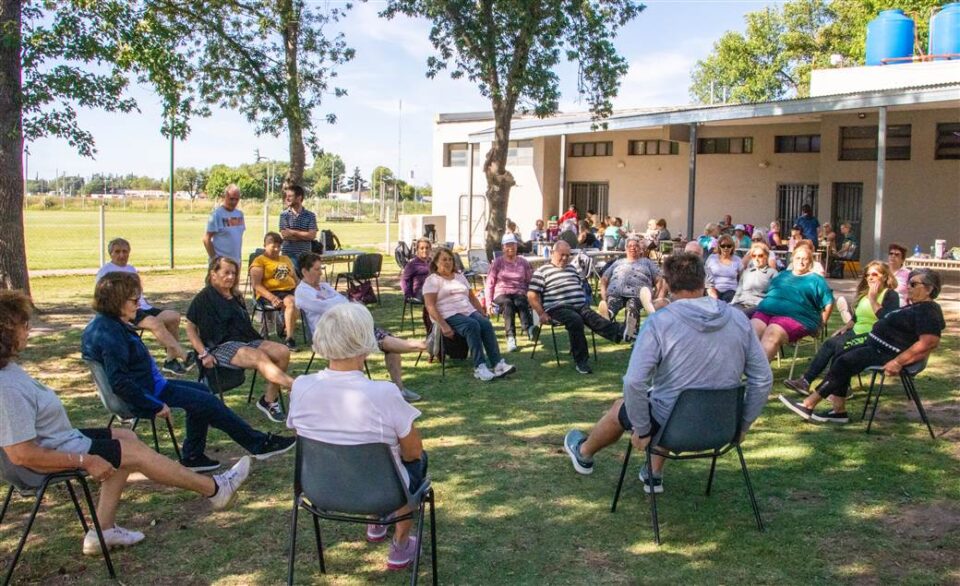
(840, 506)
(58, 239)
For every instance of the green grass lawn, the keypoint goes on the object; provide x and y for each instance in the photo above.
(840, 506)
(71, 239)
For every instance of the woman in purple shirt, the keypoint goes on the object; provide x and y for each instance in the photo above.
(506, 286)
(415, 272)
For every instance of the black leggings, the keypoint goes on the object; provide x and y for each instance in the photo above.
(831, 347)
(851, 362)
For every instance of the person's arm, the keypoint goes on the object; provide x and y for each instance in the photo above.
(491, 282)
(208, 244)
(309, 234)
(30, 455)
(430, 302)
(636, 382)
(915, 353)
(193, 334)
(890, 302)
(256, 277)
(116, 363)
(406, 279)
(711, 289)
(476, 302)
(604, 283)
(411, 445)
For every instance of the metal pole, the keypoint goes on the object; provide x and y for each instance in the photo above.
(266, 199)
(881, 173)
(469, 197)
(396, 181)
(103, 231)
(172, 140)
(387, 243)
(563, 175)
(692, 181)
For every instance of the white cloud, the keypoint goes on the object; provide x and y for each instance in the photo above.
(407, 34)
(656, 79)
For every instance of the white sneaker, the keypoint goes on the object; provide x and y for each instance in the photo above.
(646, 300)
(503, 369)
(844, 308)
(483, 373)
(114, 537)
(229, 482)
(629, 326)
(511, 344)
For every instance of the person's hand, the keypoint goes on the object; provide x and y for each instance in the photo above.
(544, 317)
(208, 361)
(164, 411)
(892, 368)
(98, 468)
(277, 303)
(639, 443)
(447, 331)
(873, 290)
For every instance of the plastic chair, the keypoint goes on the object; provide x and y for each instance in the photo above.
(267, 312)
(402, 254)
(119, 408)
(27, 483)
(705, 423)
(409, 302)
(907, 376)
(553, 334)
(366, 267)
(441, 342)
(478, 261)
(356, 484)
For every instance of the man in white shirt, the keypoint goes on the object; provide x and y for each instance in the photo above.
(164, 324)
(315, 297)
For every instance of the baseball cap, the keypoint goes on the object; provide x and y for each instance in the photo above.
(739, 227)
(508, 239)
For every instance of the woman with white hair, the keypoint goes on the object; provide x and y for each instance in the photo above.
(340, 405)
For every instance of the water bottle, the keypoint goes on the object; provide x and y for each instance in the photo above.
(916, 251)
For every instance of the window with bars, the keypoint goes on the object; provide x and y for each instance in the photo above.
(740, 145)
(653, 147)
(455, 154)
(859, 143)
(797, 143)
(591, 149)
(948, 141)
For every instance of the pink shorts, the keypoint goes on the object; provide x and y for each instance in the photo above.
(794, 329)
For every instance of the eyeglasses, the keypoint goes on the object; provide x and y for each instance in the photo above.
(894, 253)
(917, 284)
(874, 275)
(726, 246)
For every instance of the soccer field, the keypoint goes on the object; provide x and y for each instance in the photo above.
(70, 239)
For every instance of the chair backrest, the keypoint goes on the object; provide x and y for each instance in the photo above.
(478, 260)
(917, 367)
(110, 400)
(329, 240)
(221, 379)
(570, 238)
(703, 419)
(360, 479)
(666, 246)
(23, 479)
(367, 266)
(402, 254)
(458, 263)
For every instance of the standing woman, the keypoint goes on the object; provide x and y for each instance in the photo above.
(723, 270)
(506, 286)
(456, 310)
(415, 272)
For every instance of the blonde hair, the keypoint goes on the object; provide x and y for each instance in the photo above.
(345, 331)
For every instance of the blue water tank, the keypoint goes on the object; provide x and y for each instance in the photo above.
(889, 36)
(945, 31)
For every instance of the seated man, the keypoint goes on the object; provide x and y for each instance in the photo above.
(560, 286)
(628, 282)
(315, 296)
(274, 280)
(695, 342)
(164, 324)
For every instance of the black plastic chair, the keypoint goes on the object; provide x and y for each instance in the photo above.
(442, 352)
(30, 483)
(553, 334)
(705, 423)
(366, 267)
(355, 484)
(402, 254)
(410, 302)
(120, 409)
(907, 376)
(221, 379)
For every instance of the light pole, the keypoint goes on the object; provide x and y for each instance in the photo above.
(26, 171)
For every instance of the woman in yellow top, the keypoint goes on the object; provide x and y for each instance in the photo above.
(274, 281)
(876, 297)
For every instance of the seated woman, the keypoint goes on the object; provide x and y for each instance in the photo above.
(110, 340)
(219, 330)
(586, 237)
(274, 280)
(35, 433)
(755, 280)
(662, 233)
(340, 405)
(506, 286)
(898, 339)
(456, 310)
(315, 297)
(773, 236)
(415, 272)
(723, 270)
(798, 304)
(876, 297)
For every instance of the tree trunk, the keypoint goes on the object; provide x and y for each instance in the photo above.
(291, 39)
(499, 179)
(13, 256)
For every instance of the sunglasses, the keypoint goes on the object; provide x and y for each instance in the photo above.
(726, 246)
(874, 275)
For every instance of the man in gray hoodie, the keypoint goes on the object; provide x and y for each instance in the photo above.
(695, 342)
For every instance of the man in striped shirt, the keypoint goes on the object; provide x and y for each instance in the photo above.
(298, 226)
(556, 294)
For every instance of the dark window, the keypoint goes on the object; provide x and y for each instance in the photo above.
(455, 154)
(800, 143)
(859, 143)
(948, 141)
(653, 147)
(741, 145)
(591, 149)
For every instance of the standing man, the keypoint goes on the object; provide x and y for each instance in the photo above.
(298, 226)
(225, 227)
(809, 224)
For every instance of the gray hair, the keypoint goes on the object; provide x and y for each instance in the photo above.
(117, 242)
(928, 277)
(345, 331)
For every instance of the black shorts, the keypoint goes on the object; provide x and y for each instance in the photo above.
(142, 313)
(102, 444)
(627, 426)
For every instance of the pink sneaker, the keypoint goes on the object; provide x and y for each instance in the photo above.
(376, 533)
(401, 557)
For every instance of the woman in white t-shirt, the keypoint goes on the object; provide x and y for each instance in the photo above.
(340, 405)
(456, 310)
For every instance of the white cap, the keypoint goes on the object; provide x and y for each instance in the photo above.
(508, 238)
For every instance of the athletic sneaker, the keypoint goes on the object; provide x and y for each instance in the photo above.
(629, 327)
(200, 463)
(844, 308)
(228, 483)
(584, 368)
(273, 445)
(646, 300)
(503, 369)
(797, 408)
(173, 366)
(830, 416)
(114, 537)
(376, 533)
(511, 344)
(654, 484)
(273, 411)
(400, 557)
(409, 396)
(603, 310)
(798, 384)
(291, 344)
(483, 373)
(571, 444)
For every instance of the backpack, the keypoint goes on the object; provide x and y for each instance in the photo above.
(329, 240)
(316, 247)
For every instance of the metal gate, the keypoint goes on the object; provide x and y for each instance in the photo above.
(791, 197)
(479, 219)
(589, 196)
(848, 207)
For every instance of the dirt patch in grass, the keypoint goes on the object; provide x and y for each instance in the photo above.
(926, 522)
(944, 418)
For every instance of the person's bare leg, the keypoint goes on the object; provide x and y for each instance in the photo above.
(137, 457)
(112, 489)
(393, 367)
(839, 403)
(289, 315)
(758, 327)
(813, 399)
(402, 530)
(271, 360)
(156, 327)
(171, 321)
(400, 346)
(773, 338)
(606, 432)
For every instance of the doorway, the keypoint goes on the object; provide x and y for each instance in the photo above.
(848, 207)
(791, 197)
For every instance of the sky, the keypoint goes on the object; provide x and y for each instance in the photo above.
(662, 45)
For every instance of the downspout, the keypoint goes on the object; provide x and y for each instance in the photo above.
(692, 181)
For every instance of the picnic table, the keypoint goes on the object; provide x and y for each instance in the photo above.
(937, 264)
(331, 257)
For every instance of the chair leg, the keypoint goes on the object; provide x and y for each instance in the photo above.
(310, 362)
(443, 360)
(156, 441)
(653, 498)
(26, 531)
(793, 363)
(377, 281)
(753, 498)
(713, 469)
(291, 560)
(112, 419)
(366, 368)
(876, 401)
(417, 363)
(536, 340)
(910, 387)
(316, 533)
(173, 439)
(416, 556)
(96, 525)
(76, 507)
(6, 503)
(133, 426)
(403, 313)
(433, 538)
(556, 349)
(252, 382)
(873, 380)
(623, 474)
